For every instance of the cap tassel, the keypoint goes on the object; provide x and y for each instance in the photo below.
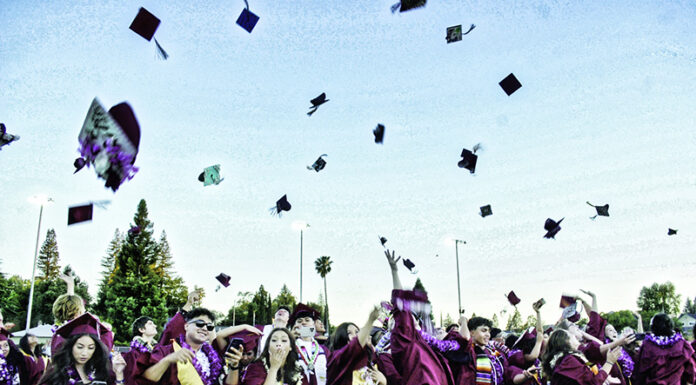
(312, 110)
(395, 7)
(595, 216)
(478, 146)
(470, 29)
(274, 212)
(160, 51)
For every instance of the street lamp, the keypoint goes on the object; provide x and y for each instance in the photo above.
(456, 252)
(302, 226)
(40, 199)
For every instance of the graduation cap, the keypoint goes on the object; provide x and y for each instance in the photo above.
(316, 102)
(406, 5)
(382, 240)
(224, 279)
(601, 210)
(211, 175)
(566, 301)
(301, 311)
(379, 133)
(84, 324)
(318, 165)
(671, 232)
(410, 265)
(4, 334)
(455, 34)
(109, 141)
(6, 138)
(510, 84)
(247, 19)
(281, 205)
(513, 299)
(574, 318)
(570, 311)
(486, 211)
(145, 24)
(552, 227)
(469, 159)
(135, 230)
(528, 334)
(83, 213)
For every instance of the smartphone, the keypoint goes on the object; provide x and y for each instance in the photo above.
(540, 303)
(235, 343)
(640, 336)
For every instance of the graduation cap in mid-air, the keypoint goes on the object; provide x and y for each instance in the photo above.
(486, 211)
(510, 84)
(513, 298)
(145, 24)
(135, 230)
(83, 213)
(552, 227)
(379, 133)
(383, 241)
(316, 102)
(210, 175)
(672, 232)
(455, 34)
(567, 300)
(224, 279)
(109, 141)
(247, 19)
(281, 205)
(469, 159)
(319, 164)
(406, 5)
(601, 210)
(6, 138)
(410, 265)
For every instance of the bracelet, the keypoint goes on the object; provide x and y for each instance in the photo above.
(123, 381)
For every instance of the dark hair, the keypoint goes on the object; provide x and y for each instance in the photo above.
(340, 337)
(558, 342)
(289, 369)
(495, 332)
(24, 345)
(283, 307)
(510, 340)
(140, 324)
(199, 311)
(479, 321)
(526, 345)
(376, 333)
(63, 358)
(662, 325)
(451, 326)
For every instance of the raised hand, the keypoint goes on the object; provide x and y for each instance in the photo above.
(278, 356)
(614, 354)
(391, 259)
(376, 376)
(233, 356)
(591, 294)
(118, 364)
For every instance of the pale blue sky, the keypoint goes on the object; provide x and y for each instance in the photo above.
(606, 114)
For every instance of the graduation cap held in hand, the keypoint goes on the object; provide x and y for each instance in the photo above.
(224, 279)
(510, 84)
(247, 19)
(6, 138)
(318, 165)
(145, 24)
(486, 211)
(379, 133)
(281, 205)
(469, 159)
(211, 175)
(601, 210)
(513, 299)
(552, 227)
(406, 5)
(316, 102)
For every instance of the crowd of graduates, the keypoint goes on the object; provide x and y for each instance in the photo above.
(395, 345)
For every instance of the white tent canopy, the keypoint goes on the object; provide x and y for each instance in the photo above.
(41, 331)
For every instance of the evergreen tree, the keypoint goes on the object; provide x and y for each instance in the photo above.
(419, 287)
(495, 321)
(48, 259)
(108, 264)
(284, 298)
(690, 306)
(262, 306)
(172, 286)
(515, 322)
(15, 299)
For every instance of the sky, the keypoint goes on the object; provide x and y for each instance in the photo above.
(605, 114)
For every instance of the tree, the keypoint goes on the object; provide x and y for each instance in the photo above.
(284, 298)
(495, 321)
(108, 265)
(515, 322)
(620, 319)
(531, 321)
(658, 298)
(419, 287)
(690, 307)
(15, 298)
(262, 306)
(48, 259)
(323, 267)
(448, 321)
(173, 289)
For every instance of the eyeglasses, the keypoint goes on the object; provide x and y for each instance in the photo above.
(201, 324)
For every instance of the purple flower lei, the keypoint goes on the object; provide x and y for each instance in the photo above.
(213, 360)
(664, 340)
(7, 371)
(137, 345)
(625, 361)
(74, 378)
(442, 346)
(118, 159)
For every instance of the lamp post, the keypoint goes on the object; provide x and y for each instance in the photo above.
(302, 226)
(459, 289)
(42, 200)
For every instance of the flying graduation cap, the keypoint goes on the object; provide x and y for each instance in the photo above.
(410, 265)
(513, 298)
(601, 210)
(455, 34)
(318, 165)
(6, 138)
(383, 241)
(469, 158)
(486, 211)
(145, 24)
(211, 175)
(224, 279)
(316, 102)
(672, 232)
(510, 84)
(406, 5)
(379, 133)
(552, 227)
(109, 141)
(247, 19)
(83, 213)
(281, 205)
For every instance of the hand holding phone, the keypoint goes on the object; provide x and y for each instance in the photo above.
(235, 343)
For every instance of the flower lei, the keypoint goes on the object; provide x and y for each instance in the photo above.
(384, 344)
(494, 357)
(296, 378)
(209, 371)
(442, 346)
(7, 371)
(140, 345)
(625, 362)
(74, 377)
(664, 340)
(117, 158)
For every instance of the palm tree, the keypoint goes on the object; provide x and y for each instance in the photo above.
(323, 267)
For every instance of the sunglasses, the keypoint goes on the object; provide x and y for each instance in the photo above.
(201, 324)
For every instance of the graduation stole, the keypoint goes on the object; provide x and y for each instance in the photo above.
(588, 364)
(186, 373)
(305, 355)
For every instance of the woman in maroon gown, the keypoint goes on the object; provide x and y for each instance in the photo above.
(665, 357)
(563, 364)
(278, 359)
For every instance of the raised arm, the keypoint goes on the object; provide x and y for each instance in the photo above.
(193, 298)
(226, 332)
(364, 333)
(534, 354)
(594, 307)
(394, 269)
(464, 328)
(621, 341)
(70, 281)
(639, 327)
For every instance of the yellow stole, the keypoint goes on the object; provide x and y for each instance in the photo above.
(186, 373)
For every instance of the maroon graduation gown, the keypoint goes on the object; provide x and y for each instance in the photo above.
(174, 328)
(256, 375)
(385, 364)
(572, 371)
(594, 355)
(344, 361)
(34, 368)
(145, 360)
(596, 326)
(664, 365)
(131, 371)
(465, 372)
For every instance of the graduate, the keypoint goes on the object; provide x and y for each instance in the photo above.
(280, 320)
(144, 331)
(527, 349)
(313, 357)
(279, 362)
(32, 370)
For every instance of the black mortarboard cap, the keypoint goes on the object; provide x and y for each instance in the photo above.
(671, 232)
(247, 20)
(552, 227)
(406, 5)
(486, 211)
(224, 279)
(382, 240)
(6, 138)
(513, 299)
(379, 133)
(281, 205)
(318, 165)
(145, 24)
(510, 84)
(454, 34)
(468, 160)
(601, 210)
(77, 214)
(409, 265)
(316, 102)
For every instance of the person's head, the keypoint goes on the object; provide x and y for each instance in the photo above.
(247, 357)
(200, 323)
(280, 319)
(375, 335)
(144, 327)
(5, 347)
(281, 338)
(319, 326)
(510, 340)
(610, 332)
(454, 327)
(440, 333)
(662, 325)
(559, 341)
(480, 329)
(344, 333)
(304, 319)
(67, 307)
(28, 343)
(79, 349)
(296, 331)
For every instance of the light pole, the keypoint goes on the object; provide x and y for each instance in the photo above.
(302, 226)
(459, 289)
(42, 200)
